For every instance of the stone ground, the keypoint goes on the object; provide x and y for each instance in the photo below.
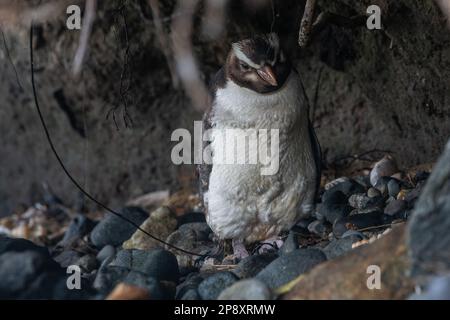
(361, 221)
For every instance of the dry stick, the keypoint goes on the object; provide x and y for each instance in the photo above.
(163, 41)
(214, 20)
(186, 64)
(88, 21)
(306, 24)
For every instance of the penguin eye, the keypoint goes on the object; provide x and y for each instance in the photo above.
(244, 66)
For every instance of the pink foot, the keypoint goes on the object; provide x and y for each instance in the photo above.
(239, 250)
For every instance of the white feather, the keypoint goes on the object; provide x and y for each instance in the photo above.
(242, 203)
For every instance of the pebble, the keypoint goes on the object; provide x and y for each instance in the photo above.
(290, 244)
(372, 192)
(34, 275)
(194, 237)
(191, 294)
(339, 247)
(382, 185)
(335, 182)
(386, 167)
(161, 223)
(252, 265)
(395, 208)
(393, 187)
(250, 289)
(156, 290)
(347, 187)
(107, 252)
(334, 206)
(362, 202)
(191, 282)
(8, 244)
(157, 263)
(353, 233)
(212, 286)
(358, 221)
(289, 266)
(113, 230)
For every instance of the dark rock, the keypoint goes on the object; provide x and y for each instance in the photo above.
(414, 194)
(191, 294)
(114, 230)
(201, 229)
(162, 265)
(151, 284)
(8, 244)
(386, 167)
(67, 258)
(320, 227)
(157, 263)
(191, 217)
(393, 187)
(108, 251)
(334, 206)
(372, 193)
(252, 265)
(34, 275)
(78, 228)
(212, 286)
(429, 225)
(250, 289)
(190, 283)
(382, 185)
(19, 269)
(87, 263)
(290, 244)
(289, 266)
(194, 237)
(353, 233)
(347, 187)
(395, 208)
(358, 221)
(108, 277)
(338, 247)
(421, 176)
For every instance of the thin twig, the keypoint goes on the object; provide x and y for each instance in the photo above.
(186, 64)
(306, 24)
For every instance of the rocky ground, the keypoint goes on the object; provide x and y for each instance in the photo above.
(361, 221)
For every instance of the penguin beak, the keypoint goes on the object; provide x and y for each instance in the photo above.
(268, 75)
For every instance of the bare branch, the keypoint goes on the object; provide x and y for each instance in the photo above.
(214, 20)
(306, 24)
(186, 64)
(88, 21)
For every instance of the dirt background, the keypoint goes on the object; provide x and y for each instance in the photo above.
(382, 89)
